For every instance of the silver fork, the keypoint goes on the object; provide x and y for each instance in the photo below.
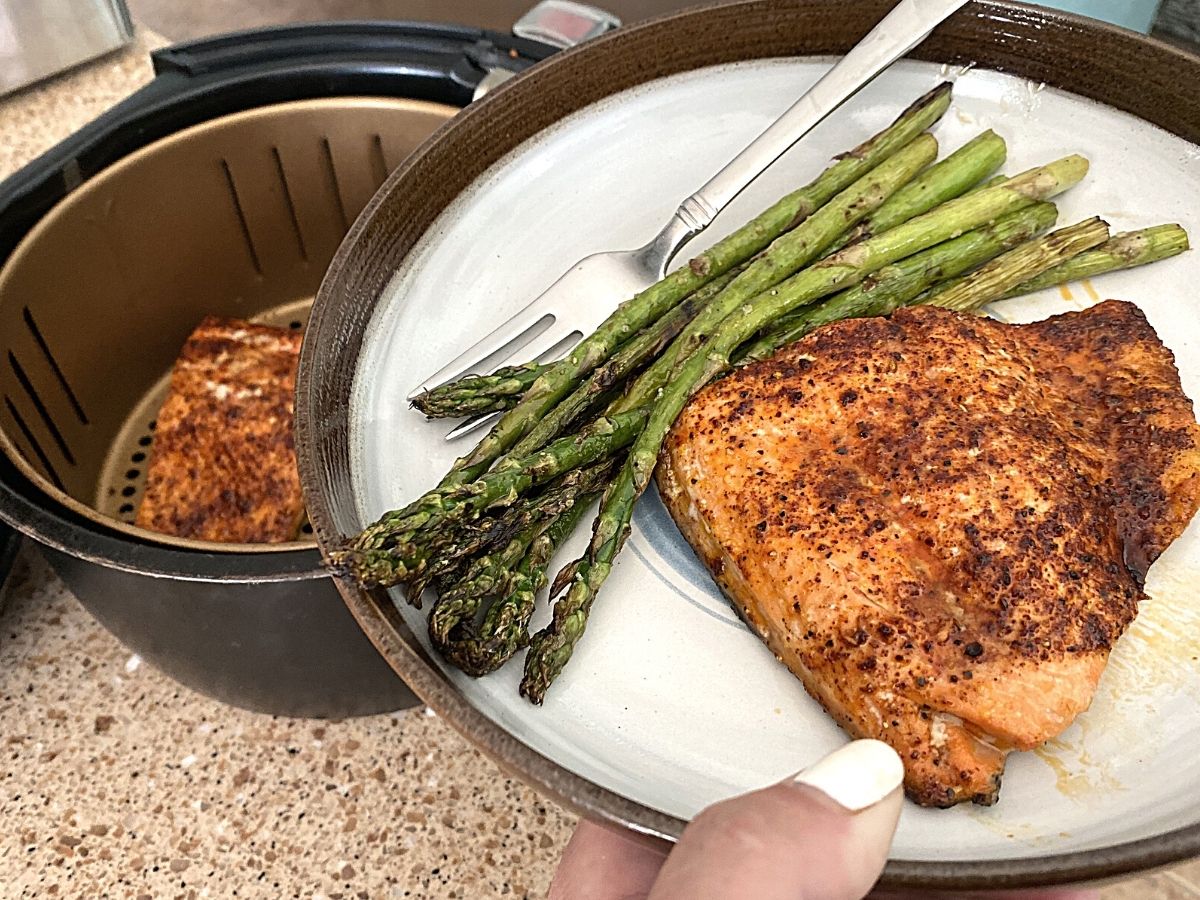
(590, 290)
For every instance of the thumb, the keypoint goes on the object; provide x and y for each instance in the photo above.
(823, 835)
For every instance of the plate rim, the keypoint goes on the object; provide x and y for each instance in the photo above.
(1061, 49)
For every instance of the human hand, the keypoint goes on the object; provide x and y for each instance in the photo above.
(823, 835)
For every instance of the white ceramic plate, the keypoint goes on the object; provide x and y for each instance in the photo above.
(669, 700)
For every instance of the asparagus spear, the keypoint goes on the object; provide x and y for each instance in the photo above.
(791, 252)
(628, 359)
(505, 625)
(396, 548)
(898, 284)
(1122, 251)
(995, 279)
(488, 574)
(565, 576)
(991, 182)
(551, 648)
(635, 314)
(475, 394)
(953, 176)
(451, 559)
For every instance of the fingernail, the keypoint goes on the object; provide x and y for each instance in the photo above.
(857, 775)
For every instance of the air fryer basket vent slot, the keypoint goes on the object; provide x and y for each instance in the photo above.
(334, 187)
(54, 367)
(32, 442)
(291, 204)
(241, 218)
(43, 413)
(378, 158)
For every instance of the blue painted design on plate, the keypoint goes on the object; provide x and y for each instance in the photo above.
(657, 542)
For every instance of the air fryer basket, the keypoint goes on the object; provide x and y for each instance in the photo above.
(237, 216)
(221, 187)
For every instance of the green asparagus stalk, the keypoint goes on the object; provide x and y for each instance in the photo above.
(565, 576)
(991, 182)
(851, 264)
(635, 314)
(1002, 274)
(950, 178)
(487, 533)
(959, 173)
(1122, 251)
(475, 394)
(898, 284)
(627, 360)
(487, 575)
(396, 548)
(786, 255)
(551, 648)
(505, 628)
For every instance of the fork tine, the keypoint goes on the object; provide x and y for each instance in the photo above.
(473, 424)
(468, 361)
(549, 340)
(541, 345)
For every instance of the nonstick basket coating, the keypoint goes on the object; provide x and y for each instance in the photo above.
(238, 216)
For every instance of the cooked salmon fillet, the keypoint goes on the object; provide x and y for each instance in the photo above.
(223, 465)
(942, 523)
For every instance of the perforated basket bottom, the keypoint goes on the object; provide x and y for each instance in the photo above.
(123, 475)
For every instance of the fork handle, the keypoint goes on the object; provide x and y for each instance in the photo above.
(909, 23)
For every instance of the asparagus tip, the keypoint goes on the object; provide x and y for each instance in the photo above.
(338, 563)
(533, 689)
(934, 98)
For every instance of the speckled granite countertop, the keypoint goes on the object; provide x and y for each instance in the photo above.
(117, 782)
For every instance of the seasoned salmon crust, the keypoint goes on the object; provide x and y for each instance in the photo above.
(223, 464)
(942, 523)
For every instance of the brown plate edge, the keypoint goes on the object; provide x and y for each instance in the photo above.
(1085, 57)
